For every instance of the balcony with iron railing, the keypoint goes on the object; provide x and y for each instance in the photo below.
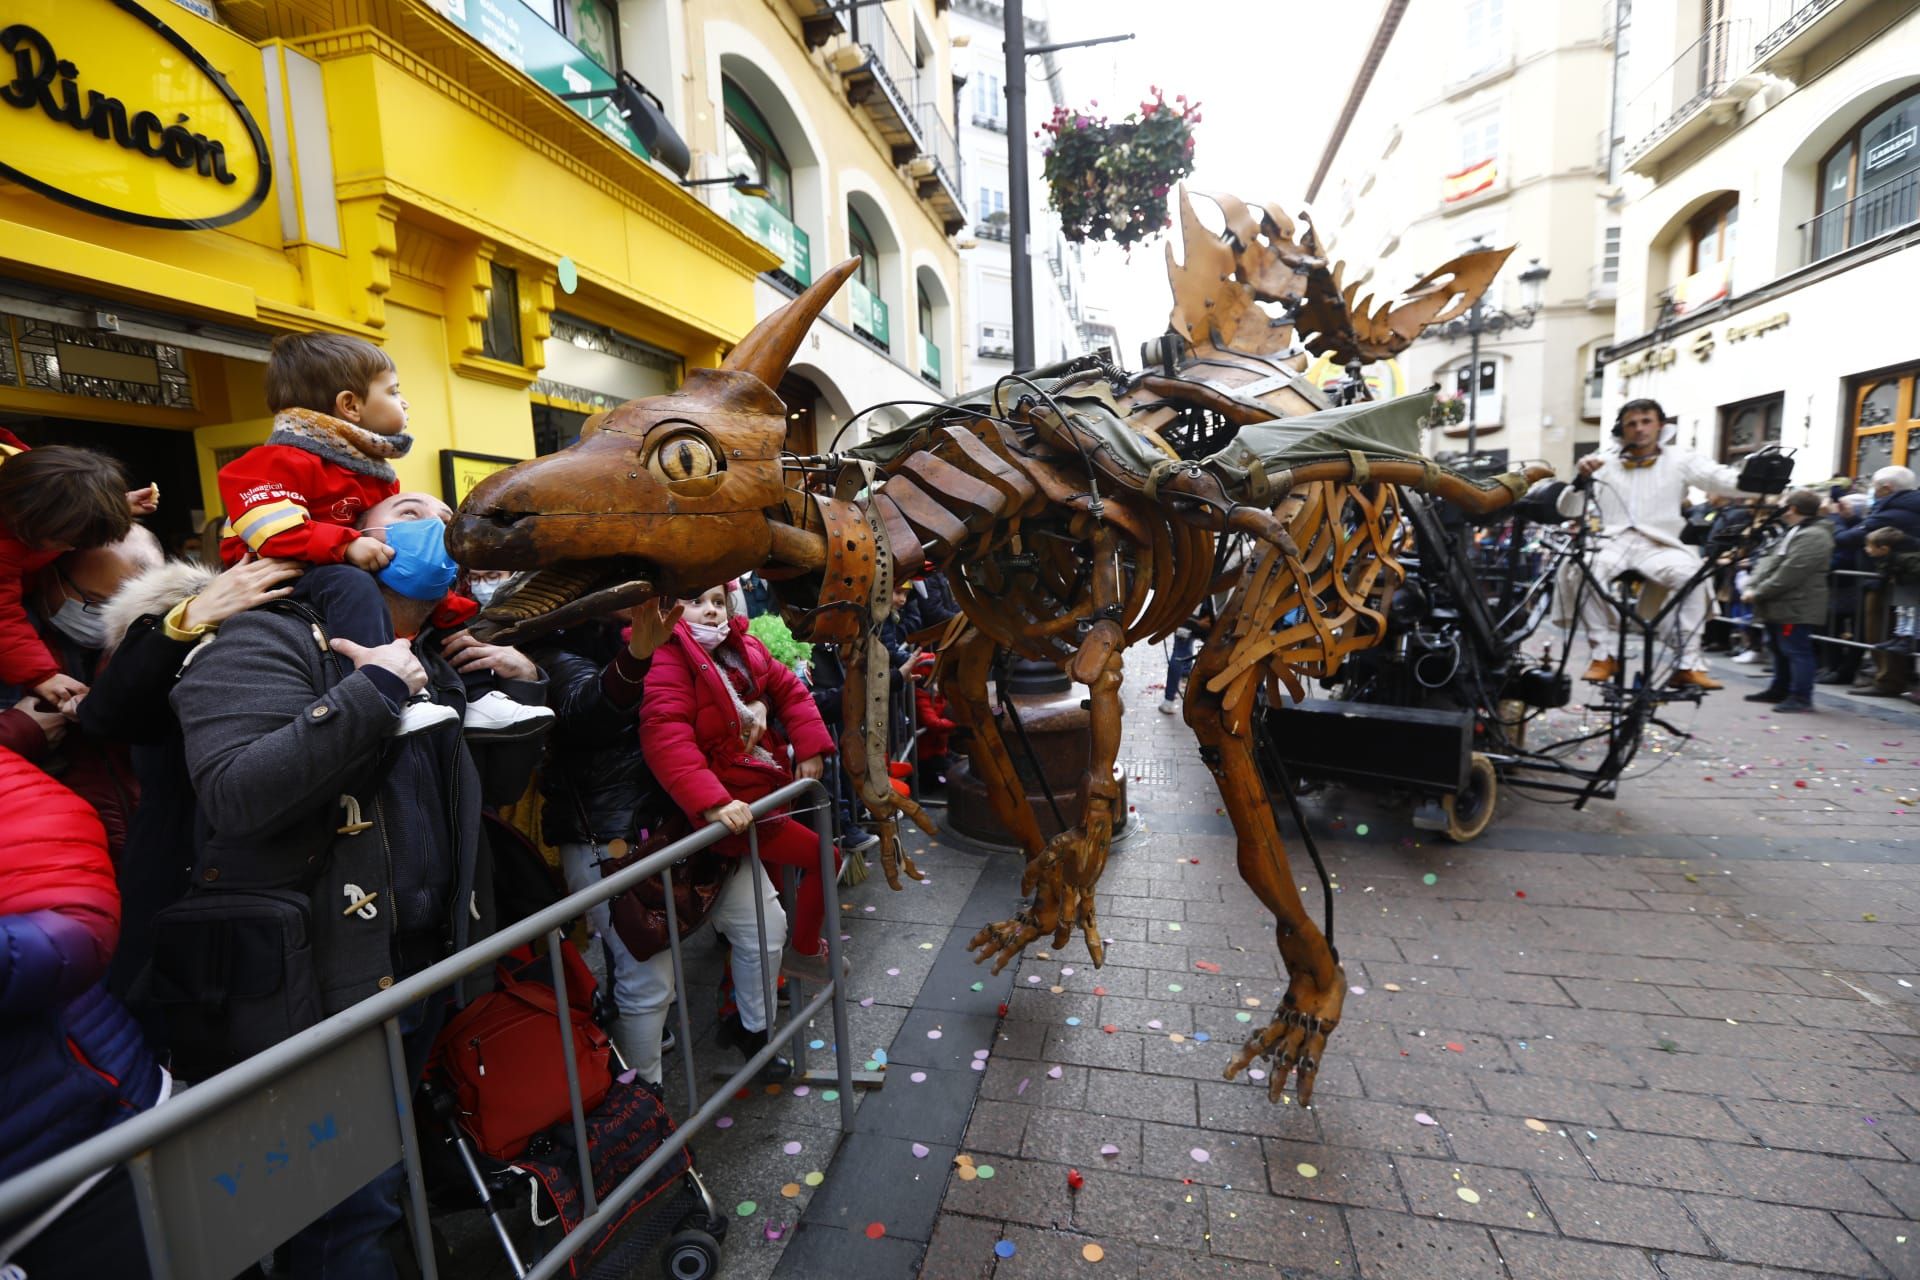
(1603, 285)
(820, 20)
(880, 75)
(1787, 28)
(936, 173)
(1873, 213)
(929, 360)
(993, 227)
(869, 314)
(1701, 87)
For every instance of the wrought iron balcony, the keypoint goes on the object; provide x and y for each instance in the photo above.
(880, 75)
(820, 21)
(1869, 215)
(992, 227)
(1696, 88)
(936, 173)
(1788, 27)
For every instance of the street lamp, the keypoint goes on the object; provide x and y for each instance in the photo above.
(1484, 319)
(738, 181)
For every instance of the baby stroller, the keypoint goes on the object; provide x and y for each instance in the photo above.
(497, 1127)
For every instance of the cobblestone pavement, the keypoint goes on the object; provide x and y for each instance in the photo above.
(1672, 1036)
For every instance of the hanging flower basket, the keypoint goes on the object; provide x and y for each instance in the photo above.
(1109, 179)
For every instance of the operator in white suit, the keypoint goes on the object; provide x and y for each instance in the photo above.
(1639, 490)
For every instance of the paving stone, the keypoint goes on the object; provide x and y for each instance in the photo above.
(999, 1127)
(1803, 1178)
(1074, 1138)
(1898, 1183)
(1617, 1214)
(818, 1249)
(1047, 1255)
(1263, 1228)
(1685, 1115)
(1675, 1267)
(1141, 1097)
(1241, 1106)
(1895, 1242)
(1379, 1126)
(961, 1249)
(1424, 1086)
(1394, 1246)
(1651, 1160)
(1506, 1199)
(1343, 1175)
(1690, 1072)
(1148, 1210)
(1810, 1128)
(1020, 1190)
(1506, 1142)
(1232, 1158)
(1532, 1257)
(1832, 1086)
(1779, 1235)
(1541, 1097)
(1600, 993)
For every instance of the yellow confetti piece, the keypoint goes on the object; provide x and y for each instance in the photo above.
(963, 1159)
(1389, 986)
(1306, 1170)
(1468, 1194)
(791, 1190)
(1056, 990)
(1176, 1037)
(1536, 1126)
(968, 1173)
(1092, 1252)
(815, 1178)
(1253, 1002)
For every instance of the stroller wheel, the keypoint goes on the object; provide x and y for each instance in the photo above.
(690, 1255)
(699, 1223)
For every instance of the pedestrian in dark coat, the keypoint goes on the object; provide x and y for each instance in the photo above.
(1788, 592)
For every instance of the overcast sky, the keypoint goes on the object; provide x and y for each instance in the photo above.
(1270, 75)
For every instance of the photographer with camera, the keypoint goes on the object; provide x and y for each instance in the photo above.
(1638, 489)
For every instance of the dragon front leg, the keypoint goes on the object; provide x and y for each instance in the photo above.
(1296, 1039)
(1062, 875)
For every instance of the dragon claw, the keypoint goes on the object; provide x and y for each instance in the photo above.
(1295, 1040)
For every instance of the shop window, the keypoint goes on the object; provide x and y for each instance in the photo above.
(1885, 427)
(752, 150)
(860, 240)
(1710, 233)
(1749, 425)
(500, 336)
(1870, 181)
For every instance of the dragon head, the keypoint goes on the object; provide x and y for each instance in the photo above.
(660, 497)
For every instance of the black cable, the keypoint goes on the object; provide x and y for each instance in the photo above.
(1269, 757)
(1001, 659)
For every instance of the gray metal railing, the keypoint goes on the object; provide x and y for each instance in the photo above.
(1874, 212)
(890, 61)
(942, 148)
(1786, 19)
(1848, 624)
(354, 1067)
(1684, 86)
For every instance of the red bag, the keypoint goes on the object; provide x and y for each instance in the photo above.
(501, 1056)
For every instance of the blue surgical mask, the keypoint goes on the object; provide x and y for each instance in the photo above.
(420, 569)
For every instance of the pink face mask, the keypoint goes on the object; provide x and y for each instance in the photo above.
(708, 637)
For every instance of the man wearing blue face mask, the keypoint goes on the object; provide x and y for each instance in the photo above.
(304, 791)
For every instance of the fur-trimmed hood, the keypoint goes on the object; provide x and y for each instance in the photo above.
(155, 592)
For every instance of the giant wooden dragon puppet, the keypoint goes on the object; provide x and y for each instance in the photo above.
(1076, 511)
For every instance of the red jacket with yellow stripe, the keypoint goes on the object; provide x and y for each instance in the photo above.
(287, 503)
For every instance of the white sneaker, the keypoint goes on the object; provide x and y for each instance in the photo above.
(1167, 708)
(496, 713)
(1747, 657)
(420, 715)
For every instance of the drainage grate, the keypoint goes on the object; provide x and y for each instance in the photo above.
(1150, 771)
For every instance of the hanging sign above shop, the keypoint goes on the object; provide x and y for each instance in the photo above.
(105, 107)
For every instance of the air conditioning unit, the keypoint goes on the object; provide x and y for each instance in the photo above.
(996, 341)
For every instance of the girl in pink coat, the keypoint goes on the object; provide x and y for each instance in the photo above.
(715, 725)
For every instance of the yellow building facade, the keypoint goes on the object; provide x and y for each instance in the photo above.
(176, 189)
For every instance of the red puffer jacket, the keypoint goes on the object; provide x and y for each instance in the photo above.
(72, 1061)
(690, 727)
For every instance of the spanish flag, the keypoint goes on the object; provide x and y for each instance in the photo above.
(1470, 180)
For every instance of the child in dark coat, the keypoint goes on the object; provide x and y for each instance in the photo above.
(716, 723)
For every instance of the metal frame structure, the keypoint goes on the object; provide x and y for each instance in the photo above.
(222, 1136)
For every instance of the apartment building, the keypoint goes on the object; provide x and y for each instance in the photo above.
(1060, 302)
(1771, 158)
(1485, 121)
(838, 125)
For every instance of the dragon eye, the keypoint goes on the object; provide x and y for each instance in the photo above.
(683, 456)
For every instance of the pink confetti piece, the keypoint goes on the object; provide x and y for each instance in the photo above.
(1255, 1073)
(981, 1054)
(792, 1148)
(1154, 1025)
(724, 1122)
(893, 973)
(773, 1231)
(919, 1150)
(866, 1002)
(978, 1064)
(1054, 1073)
(1066, 973)
(934, 1034)
(1200, 1155)
(1421, 1117)
(1359, 991)
(1022, 1087)
(801, 1090)
(1108, 1149)
(918, 1077)
(1033, 979)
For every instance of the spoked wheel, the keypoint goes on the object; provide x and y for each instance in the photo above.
(1469, 812)
(690, 1255)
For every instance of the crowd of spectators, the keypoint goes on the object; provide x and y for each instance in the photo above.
(242, 791)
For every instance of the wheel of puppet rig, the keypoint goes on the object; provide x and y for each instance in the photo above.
(690, 1255)
(1469, 812)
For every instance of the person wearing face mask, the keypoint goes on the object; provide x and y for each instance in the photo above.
(714, 753)
(66, 607)
(377, 841)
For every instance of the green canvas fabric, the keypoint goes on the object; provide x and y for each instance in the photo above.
(1377, 428)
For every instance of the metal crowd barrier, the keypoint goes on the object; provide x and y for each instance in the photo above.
(1842, 604)
(229, 1169)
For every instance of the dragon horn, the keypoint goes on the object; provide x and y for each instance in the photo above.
(766, 352)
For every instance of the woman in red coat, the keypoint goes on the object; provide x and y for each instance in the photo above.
(717, 720)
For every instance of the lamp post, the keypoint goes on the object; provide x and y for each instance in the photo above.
(1019, 217)
(1480, 319)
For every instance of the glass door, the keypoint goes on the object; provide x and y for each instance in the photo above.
(1886, 423)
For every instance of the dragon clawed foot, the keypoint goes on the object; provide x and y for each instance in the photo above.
(1296, 1039)
(1002, 941)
